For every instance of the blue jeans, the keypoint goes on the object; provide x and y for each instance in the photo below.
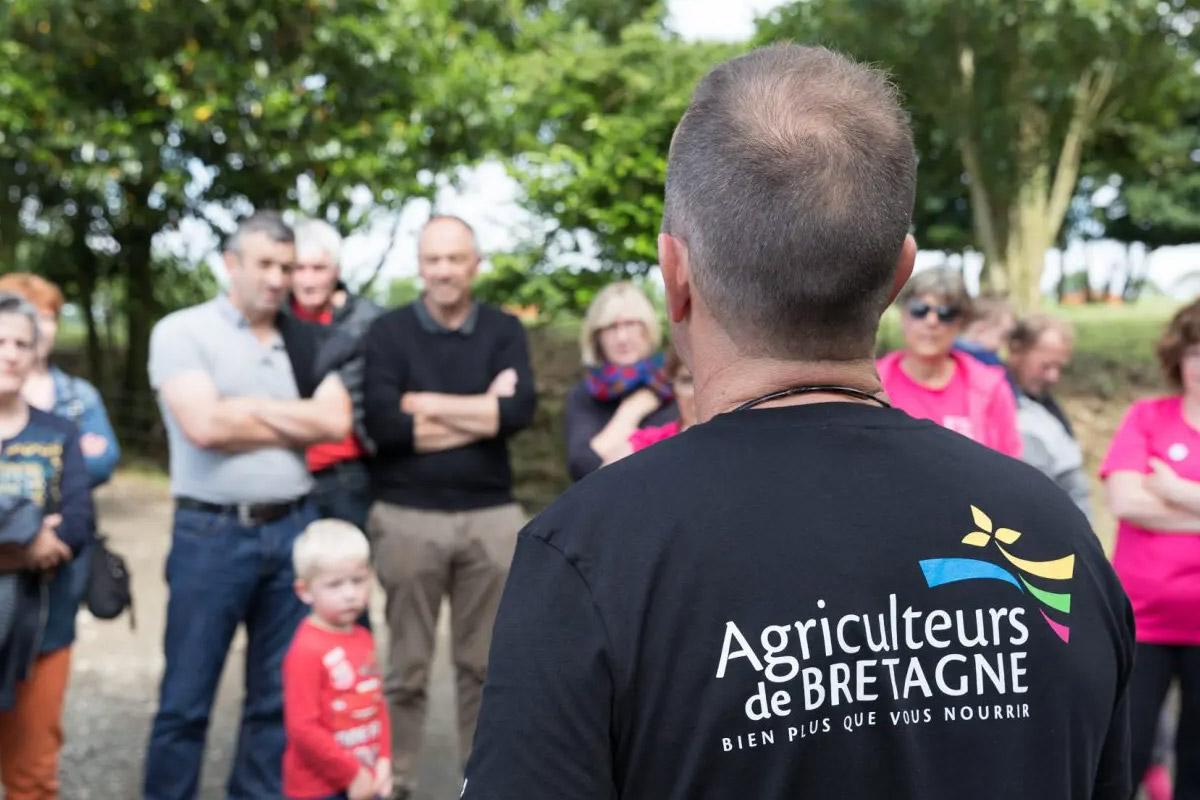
(220, 574)
(343, 491)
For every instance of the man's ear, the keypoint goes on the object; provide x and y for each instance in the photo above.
(677, 273)
(904, 267)
(231, 260)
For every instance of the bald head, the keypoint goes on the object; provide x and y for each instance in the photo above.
(448, 225)
(791, 180)
(447, 259)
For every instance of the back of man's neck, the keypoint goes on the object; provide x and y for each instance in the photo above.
(740, 381)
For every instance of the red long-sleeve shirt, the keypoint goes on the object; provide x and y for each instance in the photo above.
(333, 710)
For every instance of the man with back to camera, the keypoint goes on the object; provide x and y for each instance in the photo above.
(241, 395)
(448, 382)
(807, 595)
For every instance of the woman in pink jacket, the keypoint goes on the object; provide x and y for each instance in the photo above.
(931, 380)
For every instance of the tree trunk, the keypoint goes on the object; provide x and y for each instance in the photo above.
(1036, 211)
(10, 221)
(141, 311)
(88, 269)
(1029, 233)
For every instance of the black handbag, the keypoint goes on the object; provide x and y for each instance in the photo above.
(109, 592)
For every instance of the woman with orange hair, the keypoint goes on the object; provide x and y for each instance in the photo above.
(51, 389)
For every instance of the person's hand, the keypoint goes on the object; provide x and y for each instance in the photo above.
(640, 404)
(1162, 480)
(363, 786)
(383, 777)
(47, 551)
(414, 403)
(93, 445)
(504, 384)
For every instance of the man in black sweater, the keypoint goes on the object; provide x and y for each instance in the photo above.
(447, 382)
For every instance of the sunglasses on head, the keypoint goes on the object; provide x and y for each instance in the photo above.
(945, 313)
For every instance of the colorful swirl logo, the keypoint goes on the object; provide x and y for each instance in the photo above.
(940, 571)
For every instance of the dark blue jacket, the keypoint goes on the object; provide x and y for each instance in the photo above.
(44, 464)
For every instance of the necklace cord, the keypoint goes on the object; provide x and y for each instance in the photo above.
(848, 391)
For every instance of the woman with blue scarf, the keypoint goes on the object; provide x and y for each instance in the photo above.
(624, 388)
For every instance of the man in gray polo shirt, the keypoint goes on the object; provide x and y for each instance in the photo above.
(241, 397)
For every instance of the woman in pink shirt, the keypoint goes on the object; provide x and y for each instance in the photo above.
(931, 380)
(1152, 473)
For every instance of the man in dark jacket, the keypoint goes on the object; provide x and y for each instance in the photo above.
(318, 295)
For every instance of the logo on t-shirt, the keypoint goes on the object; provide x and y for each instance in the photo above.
(842, 668)
(1177, 452)
(940, 571)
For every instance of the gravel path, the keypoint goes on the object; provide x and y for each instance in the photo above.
(115, 673)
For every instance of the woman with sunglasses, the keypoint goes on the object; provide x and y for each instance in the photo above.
(932, 380)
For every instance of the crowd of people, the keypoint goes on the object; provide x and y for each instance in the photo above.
(318, 442)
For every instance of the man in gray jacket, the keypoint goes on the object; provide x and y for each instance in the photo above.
(1039, 348)
(319, 296)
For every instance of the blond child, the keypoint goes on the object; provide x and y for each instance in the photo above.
(335, 718)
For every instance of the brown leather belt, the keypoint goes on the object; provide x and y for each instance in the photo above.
(247, 514)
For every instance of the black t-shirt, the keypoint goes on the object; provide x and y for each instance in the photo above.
(817, 601)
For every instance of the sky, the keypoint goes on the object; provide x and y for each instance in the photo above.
(488, 198)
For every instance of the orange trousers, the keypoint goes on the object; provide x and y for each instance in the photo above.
(31, 731)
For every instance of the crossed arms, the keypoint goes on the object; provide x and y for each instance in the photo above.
(1159, 501)
(239, 424)
(400, 420)
(447, 421)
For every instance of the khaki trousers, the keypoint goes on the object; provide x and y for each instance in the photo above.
(420, 556)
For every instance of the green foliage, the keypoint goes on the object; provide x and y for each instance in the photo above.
(401, 292)
(119, 118)
(595, 118)
(1004, 80)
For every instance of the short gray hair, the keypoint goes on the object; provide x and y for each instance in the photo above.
(269, 223)
(791, 179)
(16, 305)
(1031, 329)
(318, 236)
(943, 283)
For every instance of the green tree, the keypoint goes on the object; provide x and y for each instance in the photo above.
(120, 118)
(594, 109)
(1015, 89)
